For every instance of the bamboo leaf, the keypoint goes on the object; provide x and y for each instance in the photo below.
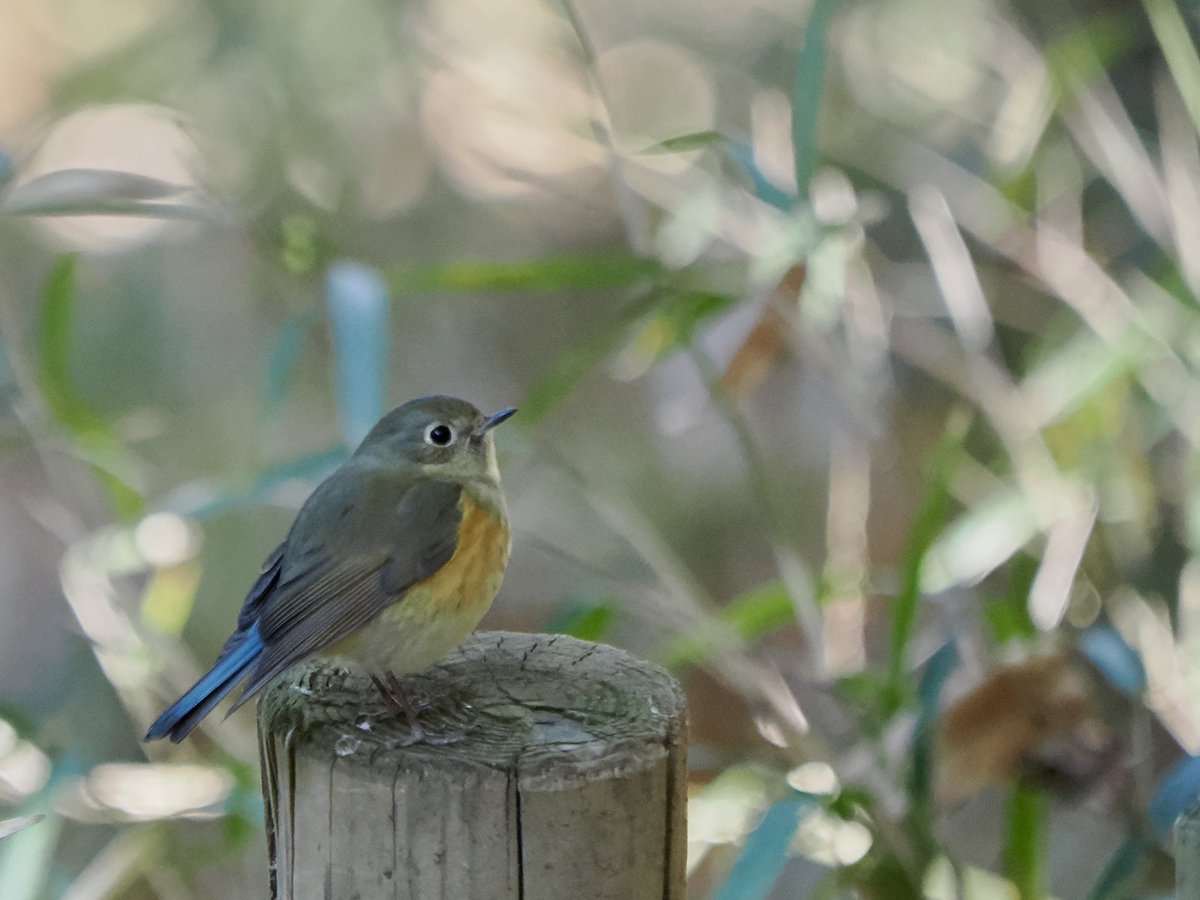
(10, 827)
(58, 305)
(1117, 661)
(357, 300)
(285, 356)
(752, 615)
(889, 879)
(557, 273)
(1178, 789)
(25, 859)
(765, 853)
(925, 530)
(1080, 369)
(1114, 881)
(1090, 48)
(806, 92)
(1172, 33)
(76, 192)
(742, 154)
(672, 327)
(200, 500)
(1009, 617)
(574, 363)
(110, 462)
(920, 781)
(587, 623)
(980, 540)
(697, 141)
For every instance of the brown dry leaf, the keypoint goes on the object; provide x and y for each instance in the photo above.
(764, 345)
(1033, 719)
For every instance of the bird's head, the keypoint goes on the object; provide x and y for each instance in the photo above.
(440, 435)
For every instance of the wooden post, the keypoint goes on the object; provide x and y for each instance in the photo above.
(553, 769)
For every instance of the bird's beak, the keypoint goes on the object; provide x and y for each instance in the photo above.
(495, 419)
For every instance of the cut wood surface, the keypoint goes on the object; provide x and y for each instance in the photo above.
(553, 768)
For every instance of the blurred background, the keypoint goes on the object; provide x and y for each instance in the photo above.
(857, 346)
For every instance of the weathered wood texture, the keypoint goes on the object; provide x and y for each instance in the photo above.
(561, 778)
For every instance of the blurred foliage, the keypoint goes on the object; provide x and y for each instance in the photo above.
(857, 351)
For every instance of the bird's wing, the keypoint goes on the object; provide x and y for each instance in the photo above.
(257, 597)
(335, 588)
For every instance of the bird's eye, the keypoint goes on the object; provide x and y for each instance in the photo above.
(439, 434)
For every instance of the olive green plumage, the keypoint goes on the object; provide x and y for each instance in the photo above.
(385, 521)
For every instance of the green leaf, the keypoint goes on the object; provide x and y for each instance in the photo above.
(1081, 368)
(674, 324)
(688, 310)
(557, 273)
(920, 780)
(1024, 847)
(577, 360)
(1114, 881)
(1172, 33)
(931, 518)
(110, 462)
(756, 613)
(888, 877)
(1086, 51)
(696, 141)
(1009, 617)
(671, 315)
(585, 622)
(58, 305)
(806, 93)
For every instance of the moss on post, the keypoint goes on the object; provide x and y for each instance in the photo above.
(553, 768)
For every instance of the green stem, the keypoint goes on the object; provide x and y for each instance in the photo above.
(1024, 847)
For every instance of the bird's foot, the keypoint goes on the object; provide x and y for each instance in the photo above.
(394, 697)
(398, 702)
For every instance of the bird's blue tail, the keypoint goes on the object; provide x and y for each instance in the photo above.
(185, 713)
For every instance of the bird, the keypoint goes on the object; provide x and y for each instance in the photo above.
(390, 563)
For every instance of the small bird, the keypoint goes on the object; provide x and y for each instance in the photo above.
(390, 564)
